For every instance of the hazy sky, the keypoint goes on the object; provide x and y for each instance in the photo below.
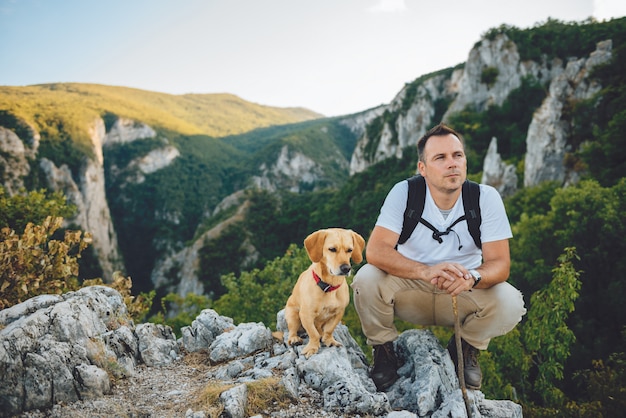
(331, 56)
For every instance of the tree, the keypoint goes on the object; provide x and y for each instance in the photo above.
(18, 210)
(32, 264)
(590, 218)
(546, 335)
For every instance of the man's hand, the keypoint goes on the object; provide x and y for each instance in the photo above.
(452, 278)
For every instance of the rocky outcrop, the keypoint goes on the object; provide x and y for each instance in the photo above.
(498, 56)
(178, 272)
(14, 158)
(358, 122)
(64, 348)
(492, 71)
(86, 188)
(295, 171)
(153, 161)
(88, 193)
(126, 130)
(411, 122)
(546, 142)
(497, 173)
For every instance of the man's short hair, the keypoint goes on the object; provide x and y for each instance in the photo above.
(438, 130)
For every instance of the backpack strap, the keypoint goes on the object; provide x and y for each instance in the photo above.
(471, 205)
(416, 200)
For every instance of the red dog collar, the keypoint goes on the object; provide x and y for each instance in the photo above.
(323, 285)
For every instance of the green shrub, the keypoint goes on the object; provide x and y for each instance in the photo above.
(489, 75)
(32, 264)
(18, 210)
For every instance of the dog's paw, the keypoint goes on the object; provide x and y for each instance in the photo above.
(309, 350)
(295, 340)
(331, 342)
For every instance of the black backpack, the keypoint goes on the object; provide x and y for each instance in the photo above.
(415, 206)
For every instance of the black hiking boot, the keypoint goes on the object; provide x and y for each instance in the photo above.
(384, 372)
(473, 375)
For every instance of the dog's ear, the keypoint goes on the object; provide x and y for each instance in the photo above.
(314, 245)
(359, 244)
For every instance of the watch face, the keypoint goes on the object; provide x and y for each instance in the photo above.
(477, 276)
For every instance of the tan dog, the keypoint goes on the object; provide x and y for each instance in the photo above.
(321, 294)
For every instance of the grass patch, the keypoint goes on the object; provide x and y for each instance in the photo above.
(263, 395)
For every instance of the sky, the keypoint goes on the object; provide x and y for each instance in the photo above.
(334, 57)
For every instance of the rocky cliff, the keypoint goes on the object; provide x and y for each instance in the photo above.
(57, 350)
(86, 190)
(546, 142)
(15, 154)
(403, 123)
(178, 272)
(414, 115)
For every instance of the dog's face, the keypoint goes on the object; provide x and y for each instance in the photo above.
(334, 247)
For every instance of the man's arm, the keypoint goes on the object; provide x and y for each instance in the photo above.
(449, 276)
(496, 264)
(381, 252)
(495, 269)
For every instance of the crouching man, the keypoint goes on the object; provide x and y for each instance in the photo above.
(414, 280)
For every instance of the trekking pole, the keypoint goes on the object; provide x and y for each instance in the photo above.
(459, 355)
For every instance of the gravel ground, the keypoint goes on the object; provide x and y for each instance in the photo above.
(172, 391)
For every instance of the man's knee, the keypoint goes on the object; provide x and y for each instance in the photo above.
(367, 279)
(510, 305)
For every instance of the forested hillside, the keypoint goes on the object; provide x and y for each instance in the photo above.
(227, 211)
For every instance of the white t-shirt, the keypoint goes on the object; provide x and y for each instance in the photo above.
(423, 248)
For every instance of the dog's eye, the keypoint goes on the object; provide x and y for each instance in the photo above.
(349, 250)
(332, 249)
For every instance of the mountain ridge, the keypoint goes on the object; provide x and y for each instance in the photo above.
(77, 104)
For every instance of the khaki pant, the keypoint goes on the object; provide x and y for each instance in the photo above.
(483, 313)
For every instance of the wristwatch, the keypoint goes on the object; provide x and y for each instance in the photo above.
(476, 275)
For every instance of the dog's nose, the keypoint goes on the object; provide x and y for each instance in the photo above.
(345, 268)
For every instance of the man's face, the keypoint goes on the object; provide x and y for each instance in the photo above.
(444, 166)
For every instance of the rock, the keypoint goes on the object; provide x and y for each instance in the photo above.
(235, 401)
(499, 54)
(204, 330)
(295, 171)
(64, 349)
(497, 173)
(126, 130)
(87, 192)
(14, 155)
(157, 344)
(93, 382)
(413, 120)
(243, 340)
(428, 384)
(546, 141)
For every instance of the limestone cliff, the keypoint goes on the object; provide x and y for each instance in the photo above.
(86, 190)
(492, 71)
(414, 111)
(15, 154)
(497, 173)
(291, 170)
(178, 272)
(546, 142)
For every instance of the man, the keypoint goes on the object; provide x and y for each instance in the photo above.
(414, 281)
